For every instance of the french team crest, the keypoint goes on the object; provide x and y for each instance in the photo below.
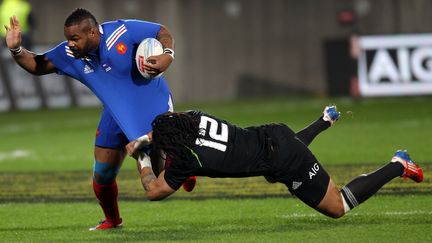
(121, 48)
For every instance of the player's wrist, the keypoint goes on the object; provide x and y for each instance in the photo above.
(16, 51)
(144, 160)
(144, 140)
(169, 51)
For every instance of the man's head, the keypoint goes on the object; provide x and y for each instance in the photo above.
(82, 32)
(174, 133)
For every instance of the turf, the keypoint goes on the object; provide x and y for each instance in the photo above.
(382, 219)
(48, 186)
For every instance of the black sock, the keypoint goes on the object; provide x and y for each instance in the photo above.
(310, 132)
(364, 186)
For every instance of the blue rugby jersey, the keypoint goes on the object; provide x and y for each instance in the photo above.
(113, 77)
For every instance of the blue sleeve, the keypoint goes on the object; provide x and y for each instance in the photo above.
(139, 30)
(60, 59)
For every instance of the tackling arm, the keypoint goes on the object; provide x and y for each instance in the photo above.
(156, 187)
(133, 149)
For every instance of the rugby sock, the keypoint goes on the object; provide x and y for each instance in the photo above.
(310, 132)
(107, 197)
(363, 187)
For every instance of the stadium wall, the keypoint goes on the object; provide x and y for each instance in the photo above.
(235, 48)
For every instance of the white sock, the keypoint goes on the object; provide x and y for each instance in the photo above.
(345, 204)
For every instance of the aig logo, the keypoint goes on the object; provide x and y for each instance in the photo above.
(395, 65)
(314, 170)
(400, 65)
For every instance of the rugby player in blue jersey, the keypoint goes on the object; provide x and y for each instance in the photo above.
(102, 58)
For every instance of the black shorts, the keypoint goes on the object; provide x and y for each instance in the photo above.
(294, 165)
(309, 184)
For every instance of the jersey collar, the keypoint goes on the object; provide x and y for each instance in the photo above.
(102, 50)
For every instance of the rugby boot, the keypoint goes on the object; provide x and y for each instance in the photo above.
(412, 171)
(105, 225)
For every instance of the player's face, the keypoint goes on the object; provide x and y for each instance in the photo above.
(81, 38)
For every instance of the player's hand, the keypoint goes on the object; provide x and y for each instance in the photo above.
(158, 64)
(133, 147)
(13, 33)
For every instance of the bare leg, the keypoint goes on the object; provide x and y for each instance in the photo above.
(332, 204)
(109, 155)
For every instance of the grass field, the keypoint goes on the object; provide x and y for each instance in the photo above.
(46, 166)
(382, 219)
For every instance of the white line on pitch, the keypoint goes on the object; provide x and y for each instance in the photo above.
(18, 153)
(390, 213)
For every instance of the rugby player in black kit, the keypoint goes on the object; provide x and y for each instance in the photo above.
(199, 144)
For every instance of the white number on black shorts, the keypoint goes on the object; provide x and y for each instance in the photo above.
(212, 132)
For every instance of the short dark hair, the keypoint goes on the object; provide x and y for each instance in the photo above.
(78, 15)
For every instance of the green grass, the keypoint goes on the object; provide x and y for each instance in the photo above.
(77, 185)
(382, 219)
(369, 131)
(46, 160)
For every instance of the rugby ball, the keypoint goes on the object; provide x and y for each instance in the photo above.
(148, 47)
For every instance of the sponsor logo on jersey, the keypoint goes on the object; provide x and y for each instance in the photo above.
(296, 184)
(113, 38)
(121, 48)
(314, 170)
(88, 69)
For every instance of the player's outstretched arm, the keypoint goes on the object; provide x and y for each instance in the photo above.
(156, 187)
(32, 63)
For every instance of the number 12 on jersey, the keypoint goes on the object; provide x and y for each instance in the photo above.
(220, 138)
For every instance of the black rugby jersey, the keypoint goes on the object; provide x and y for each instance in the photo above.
(224, 150)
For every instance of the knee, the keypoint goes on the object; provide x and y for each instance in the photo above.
(336, 212)
(333, 207)
(104, 173)
(336, 209)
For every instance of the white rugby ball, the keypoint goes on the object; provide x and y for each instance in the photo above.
(148, 47)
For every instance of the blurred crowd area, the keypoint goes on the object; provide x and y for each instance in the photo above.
(230, 49)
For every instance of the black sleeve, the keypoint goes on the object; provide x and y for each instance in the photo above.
(175, 177)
